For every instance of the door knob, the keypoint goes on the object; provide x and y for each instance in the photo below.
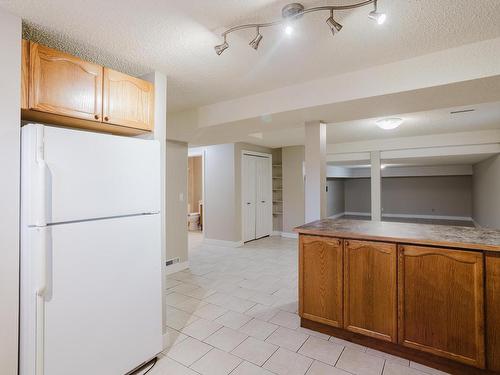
(262, 201)
(249, 203)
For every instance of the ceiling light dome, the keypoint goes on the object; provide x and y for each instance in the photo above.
(389, 123)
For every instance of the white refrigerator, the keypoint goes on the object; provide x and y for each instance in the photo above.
(90, 252)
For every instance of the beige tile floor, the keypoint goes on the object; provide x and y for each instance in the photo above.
(234, 311)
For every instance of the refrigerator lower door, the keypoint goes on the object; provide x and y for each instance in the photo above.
(102, 309)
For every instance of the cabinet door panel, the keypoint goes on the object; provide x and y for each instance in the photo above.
(63, 84)
(320, 278)
(493, 310)
(370, 292)
(128, 101)
(441, 308)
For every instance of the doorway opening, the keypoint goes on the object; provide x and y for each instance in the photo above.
(195, 201)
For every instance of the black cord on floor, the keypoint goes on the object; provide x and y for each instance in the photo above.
(153, 365)
(138, 371)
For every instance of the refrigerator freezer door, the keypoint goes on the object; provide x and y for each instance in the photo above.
(103, 313)
(88, 175)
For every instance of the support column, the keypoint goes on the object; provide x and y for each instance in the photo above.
(315, 171)
(376, 182)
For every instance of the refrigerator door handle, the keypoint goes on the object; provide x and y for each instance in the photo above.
(44, 255)
(41, 171)
(41, 293)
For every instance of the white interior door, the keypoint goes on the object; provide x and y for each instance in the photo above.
(263, 181)
(248, 170)
(103, 313)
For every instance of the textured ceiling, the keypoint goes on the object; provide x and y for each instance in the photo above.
(177, 38)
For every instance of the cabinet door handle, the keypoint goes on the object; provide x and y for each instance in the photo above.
(106, 118)
(339, 242)
(346, 243)
(96, 117)
(249, 203)
(262, 201)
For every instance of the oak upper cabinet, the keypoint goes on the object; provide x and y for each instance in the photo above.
(128, 101)
(370, 291)
(64, 85)
(441, 308)
(320, 279)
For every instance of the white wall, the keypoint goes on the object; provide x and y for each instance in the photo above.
(335, 200)
(486, 193)
(159, 134)
(221, 222)
(293, 158)
(176, 218)
(433, 196)
(10, 122)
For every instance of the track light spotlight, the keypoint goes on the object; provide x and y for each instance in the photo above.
(221, 47)
(333, 25)
(255, 41)
(376, 16)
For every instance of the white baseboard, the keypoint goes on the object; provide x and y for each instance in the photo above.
(432, 217)
(289, 235)
(336, 216)
(409, 216)
(476, 224)
(276, 233)
(213, 242)
(352, 213)
(173, 268)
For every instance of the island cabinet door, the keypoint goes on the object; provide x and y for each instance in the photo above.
(320, 279)
(370, 292)
(441, 308)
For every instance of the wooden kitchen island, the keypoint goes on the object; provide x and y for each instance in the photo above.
(428, 293)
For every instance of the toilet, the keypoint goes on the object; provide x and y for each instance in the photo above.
(194, 221)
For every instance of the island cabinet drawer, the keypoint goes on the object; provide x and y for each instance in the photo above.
(320, 279)
(370, 291)
(441, 307)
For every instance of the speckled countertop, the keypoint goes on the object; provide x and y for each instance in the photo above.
(419, 234)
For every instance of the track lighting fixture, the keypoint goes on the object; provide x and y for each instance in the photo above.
(255, 41)
(377, 16)
(332, 24)
(221, 47)
(295, 11)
